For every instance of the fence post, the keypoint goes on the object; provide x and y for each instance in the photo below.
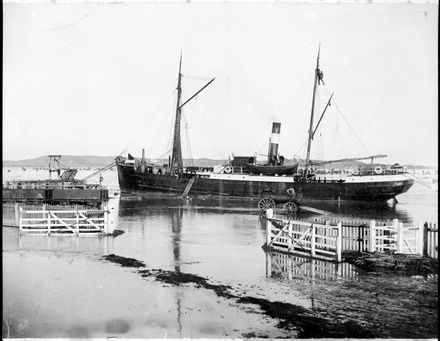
(339, 243)
(48, 219)
(17, 215)
(106, 219)
(394, 232)
(425, 239)
(419, 239)
(20, 221)
(312, 241)
(269, 215)
(111, 217)
(77, 223)
(372, 236)
(290, 235)
(400, 238)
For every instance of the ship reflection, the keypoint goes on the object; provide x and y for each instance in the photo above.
(135, 205)
(176, 228)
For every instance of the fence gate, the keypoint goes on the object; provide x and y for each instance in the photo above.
(304, 238)
(67, 222)
(383, 238)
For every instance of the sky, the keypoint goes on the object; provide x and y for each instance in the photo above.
(100, 79)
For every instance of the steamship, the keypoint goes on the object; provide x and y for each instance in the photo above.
(243, 178)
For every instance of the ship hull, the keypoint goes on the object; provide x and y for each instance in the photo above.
(255, 187)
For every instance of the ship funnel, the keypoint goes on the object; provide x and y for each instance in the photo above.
(273, 143)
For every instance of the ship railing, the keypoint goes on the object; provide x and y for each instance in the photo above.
(21, 185)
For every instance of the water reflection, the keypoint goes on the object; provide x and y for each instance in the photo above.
(61, 244)
(131, 206)
(176, 226)
(289, 267)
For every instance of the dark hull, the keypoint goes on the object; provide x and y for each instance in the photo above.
(135, 181)
(272, 170)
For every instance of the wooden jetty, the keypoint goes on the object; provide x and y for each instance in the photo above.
(327, 239)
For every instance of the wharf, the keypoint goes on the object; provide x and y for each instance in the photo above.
(41, 192)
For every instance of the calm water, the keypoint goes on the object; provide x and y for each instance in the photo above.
(62, 287)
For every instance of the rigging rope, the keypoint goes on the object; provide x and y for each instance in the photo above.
(103, 169)
(209, 136)
(290, 104)
(346, 121)
(187, 142)
(416, 179)
(150, 118)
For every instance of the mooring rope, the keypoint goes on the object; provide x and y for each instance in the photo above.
(412, 176)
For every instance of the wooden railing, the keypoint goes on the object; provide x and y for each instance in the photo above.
(328, 239)
(304, 238)
(67, 222)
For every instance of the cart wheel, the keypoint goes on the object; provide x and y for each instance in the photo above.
(290, 207)
(266, 203)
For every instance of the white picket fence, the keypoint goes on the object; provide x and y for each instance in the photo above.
(67, 222)
(304, 238)
(327, 239)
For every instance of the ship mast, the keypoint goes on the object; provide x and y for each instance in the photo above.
(318, 78)
(176, 156)
(176, 165)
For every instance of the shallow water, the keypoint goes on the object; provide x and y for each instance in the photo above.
(62, 287)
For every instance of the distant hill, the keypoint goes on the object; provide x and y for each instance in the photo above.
(93, 161)
(72, 161)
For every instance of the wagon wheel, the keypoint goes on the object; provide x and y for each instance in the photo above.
(266, 203)
(290, 207)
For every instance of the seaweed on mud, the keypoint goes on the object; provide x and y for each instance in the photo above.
(124, 261)
(115, 233)
(408, 265)
(177, 278)
(291, 317)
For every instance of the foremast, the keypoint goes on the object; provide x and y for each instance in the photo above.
(318, 79)
(176, 165)
(176, 156)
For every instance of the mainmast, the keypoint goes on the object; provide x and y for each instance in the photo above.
(176, 156)
(318, 79)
